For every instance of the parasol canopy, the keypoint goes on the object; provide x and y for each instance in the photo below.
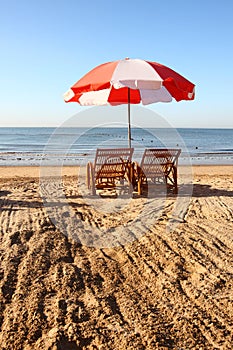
(130, 81)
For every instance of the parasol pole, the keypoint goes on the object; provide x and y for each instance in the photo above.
(129, 127)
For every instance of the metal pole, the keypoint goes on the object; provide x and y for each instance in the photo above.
(129, 126)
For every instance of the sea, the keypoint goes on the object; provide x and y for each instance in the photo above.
(30, 146)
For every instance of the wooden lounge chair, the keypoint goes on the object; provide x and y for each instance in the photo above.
(159, 166)
(111, 165)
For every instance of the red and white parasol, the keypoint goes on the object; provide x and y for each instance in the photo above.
(130, 81)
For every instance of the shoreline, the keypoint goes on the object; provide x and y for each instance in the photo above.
(25, 158)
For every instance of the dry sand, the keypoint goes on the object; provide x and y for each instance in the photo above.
(166, 290)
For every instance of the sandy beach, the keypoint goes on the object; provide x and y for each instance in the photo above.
(167, 289)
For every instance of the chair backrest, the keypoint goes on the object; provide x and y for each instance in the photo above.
(159, 160)
(112, 156)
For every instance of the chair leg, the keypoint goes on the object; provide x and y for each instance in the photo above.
(175, 180)
(92, 179)
(140, 186)
(88, 176)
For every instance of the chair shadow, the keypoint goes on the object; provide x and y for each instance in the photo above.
(208, 191)
(191, 190)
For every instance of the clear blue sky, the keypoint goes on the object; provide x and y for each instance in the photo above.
(46, 46)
